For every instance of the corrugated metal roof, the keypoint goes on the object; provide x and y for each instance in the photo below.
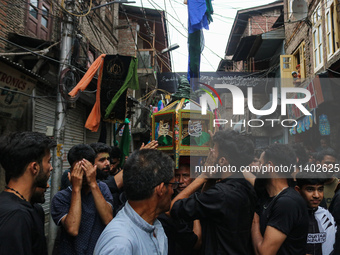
(24, 70)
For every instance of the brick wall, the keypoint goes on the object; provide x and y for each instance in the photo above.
(262, 23)
(258, 23)
(11, 20)
(99, 35)
(3, 23)
(295, 34)
(126, 39)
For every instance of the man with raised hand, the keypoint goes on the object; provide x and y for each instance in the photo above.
(225, 210)
(84, 208)
(280, 225)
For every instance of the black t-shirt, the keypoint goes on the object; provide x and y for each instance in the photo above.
(287, 212)
(115, 191)
(21, 226)
(226, 213)
(181, 237)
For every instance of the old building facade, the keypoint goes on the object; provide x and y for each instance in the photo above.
(312, 49)
(30, 50)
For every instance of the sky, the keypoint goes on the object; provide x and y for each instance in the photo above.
(216, 38)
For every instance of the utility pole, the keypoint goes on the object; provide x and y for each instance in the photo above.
(66, 46)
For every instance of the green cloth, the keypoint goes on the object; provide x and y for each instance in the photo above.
(196, 45)
(131, 82)
(164, 140)
(125, 142)
(192, 140)
(209, 10)
(184, 90)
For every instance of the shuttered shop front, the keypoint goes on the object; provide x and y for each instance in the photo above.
(44, 106)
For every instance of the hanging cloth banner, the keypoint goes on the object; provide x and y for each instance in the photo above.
(125, 142)
(199, 13)
(116, 74)
(130, 80)
(324, 126)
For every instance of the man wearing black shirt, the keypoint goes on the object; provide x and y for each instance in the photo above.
(322, 227)
(26, 159)
(280, 225)
(225, 210)
(184, 238)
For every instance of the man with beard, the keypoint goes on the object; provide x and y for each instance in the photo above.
(280, 225)
(149, 183)
(26, 159)
(116, 154)
(84, 208)
(103, 163)
(225, 210)
(102, 159)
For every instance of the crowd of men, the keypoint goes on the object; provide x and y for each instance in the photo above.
(148, 207)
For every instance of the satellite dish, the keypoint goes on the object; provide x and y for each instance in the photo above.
(300, 9)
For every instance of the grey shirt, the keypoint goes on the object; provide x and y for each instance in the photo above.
(128, 233)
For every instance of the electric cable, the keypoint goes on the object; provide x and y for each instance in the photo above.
(38, 54)
(44, 51)
(73, 14)
(25, 94)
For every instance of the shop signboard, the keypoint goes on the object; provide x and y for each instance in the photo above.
(15, 91)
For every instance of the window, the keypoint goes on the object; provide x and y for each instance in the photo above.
(299, 61)
(290, 63)
(317, 38)
(332, 27)
(39, 19)
(286, 70)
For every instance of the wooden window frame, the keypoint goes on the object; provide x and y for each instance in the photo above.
(299, 53)
(317, 39)
(332, 28)
(288, 64)
(34, 24)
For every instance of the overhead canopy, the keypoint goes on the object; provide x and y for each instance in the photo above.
(259, 46)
